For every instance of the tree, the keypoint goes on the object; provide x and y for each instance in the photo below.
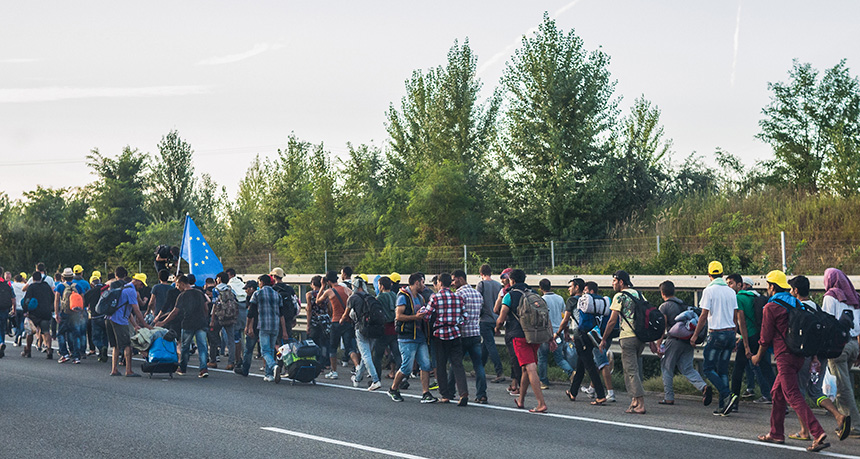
(289, 186)
(171, 180)
(558, 128)
(441, 129)
(811, 123)
(246, 228)
(117, 202)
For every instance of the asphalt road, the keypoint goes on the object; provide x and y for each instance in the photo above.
(52, 410)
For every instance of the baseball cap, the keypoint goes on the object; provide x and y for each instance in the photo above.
(364, 276)
(395, 277)
(68, 272)
(715, 267)
(95, 275)
(278, 272)
(623, 277)
(778, 277)
(140, 277)
(506, 273)
(24, 275)
(251, 284)
(78, 269)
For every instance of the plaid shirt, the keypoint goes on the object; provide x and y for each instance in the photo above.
(448, 309)
(473, 301)
(268, 309)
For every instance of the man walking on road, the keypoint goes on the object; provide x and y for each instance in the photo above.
(721, 315)
(412, 336)
(191, 303)
(446, 309)
(471, 332)
(117, 324)
(268, 303)
(631, 346)
(489, 290)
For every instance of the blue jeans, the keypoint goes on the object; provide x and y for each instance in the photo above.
(202, 348)
(411, 351)
(365, 346)
(717, 353)
(248, 352)
(100, 339)
(267, 348)
(543, 361)
(69, 337)
(472, 348)
(489, 349)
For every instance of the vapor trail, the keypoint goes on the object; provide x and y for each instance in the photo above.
(737, 42)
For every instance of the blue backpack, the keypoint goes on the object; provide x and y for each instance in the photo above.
(162, 351)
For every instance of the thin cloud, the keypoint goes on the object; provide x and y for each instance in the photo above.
(503, 54)
(20, 60)
(737, 43)
(259, 48)
(56, 93)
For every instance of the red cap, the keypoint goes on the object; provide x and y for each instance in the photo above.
(507, 272)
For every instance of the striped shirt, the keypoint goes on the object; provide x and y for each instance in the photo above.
(472, 303)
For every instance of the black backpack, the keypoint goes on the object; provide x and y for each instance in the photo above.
(806, 329)
(7, 297)
(649, 323)
(837, 333)
(109, 302)
(289, 302)
(758, 309)
(371, 317)
(163, 251)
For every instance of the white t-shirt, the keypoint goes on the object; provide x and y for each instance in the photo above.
(835, 307)
(555, 304)
(18, 288)
(721, 302)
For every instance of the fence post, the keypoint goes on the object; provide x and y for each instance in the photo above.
(325, 252)
(658, 244)
(106, 269)
(782, 241)
(552, 253)
(139, 266)
(270, 261)
(465, 259)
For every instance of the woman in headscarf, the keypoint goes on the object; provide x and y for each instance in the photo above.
(841, 298)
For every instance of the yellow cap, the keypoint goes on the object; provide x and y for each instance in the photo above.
(95, 275)
(715, 267)
(78, 269)
(364, 276)
(141, 277)
(24, 275)
(778, 277)
(395, 277)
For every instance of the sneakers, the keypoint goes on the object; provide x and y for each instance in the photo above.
(180, 372)
(395, 395)
(76, 361)
(204, 373)
(229, 367)
(707, 395)
(731, 403)
(428, 398)
(331, 375)
(355, 382)
(64, 359)
(763, 401)
(404, 384)
(434, 385)
(719, 412)
(588, 390)
(2, 350)
(748, 394)
(268, 378)
(374, 386)
(212, 365)
(611, 397)
(544, 386)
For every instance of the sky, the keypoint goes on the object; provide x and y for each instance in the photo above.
(237, 78)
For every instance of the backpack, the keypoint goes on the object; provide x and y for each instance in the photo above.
(758, 309)
(371, 318)
(649, 323)
(72, 300)
(226, 307)
(806, 330)
(162, 351)
(289, 302)
(837, 333)
(109, 302)
(594, 304)
(163, 251)
(7, 297)
(533, 315)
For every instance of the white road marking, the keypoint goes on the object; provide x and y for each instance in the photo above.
(342, 443)
(555, 415)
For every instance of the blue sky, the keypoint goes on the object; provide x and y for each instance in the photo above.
(236, 78)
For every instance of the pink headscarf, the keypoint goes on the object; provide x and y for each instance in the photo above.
(840, 287)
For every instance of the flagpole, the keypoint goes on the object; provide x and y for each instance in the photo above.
(182, 241)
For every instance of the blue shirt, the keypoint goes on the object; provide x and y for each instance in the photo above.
(128, 298)
(417, 302)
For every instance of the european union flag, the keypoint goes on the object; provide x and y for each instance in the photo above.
(202, 261)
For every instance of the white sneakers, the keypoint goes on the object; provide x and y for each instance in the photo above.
(268, 378)
(355, 382)
(331, 375)
(374, 386)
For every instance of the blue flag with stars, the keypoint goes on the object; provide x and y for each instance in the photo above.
(202, 261)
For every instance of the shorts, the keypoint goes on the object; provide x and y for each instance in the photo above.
(526, 352)
(44, 325)
(601, 359)
(118, 335)
(411, 351)
(345, 331)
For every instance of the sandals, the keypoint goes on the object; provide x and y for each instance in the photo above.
(535, 410)
(632, 410)
(518, 404)
(799, 436)
(666, 402)
(599, 402)
(768, 439)
(845, 429)
(818, 444)
(570, 396)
